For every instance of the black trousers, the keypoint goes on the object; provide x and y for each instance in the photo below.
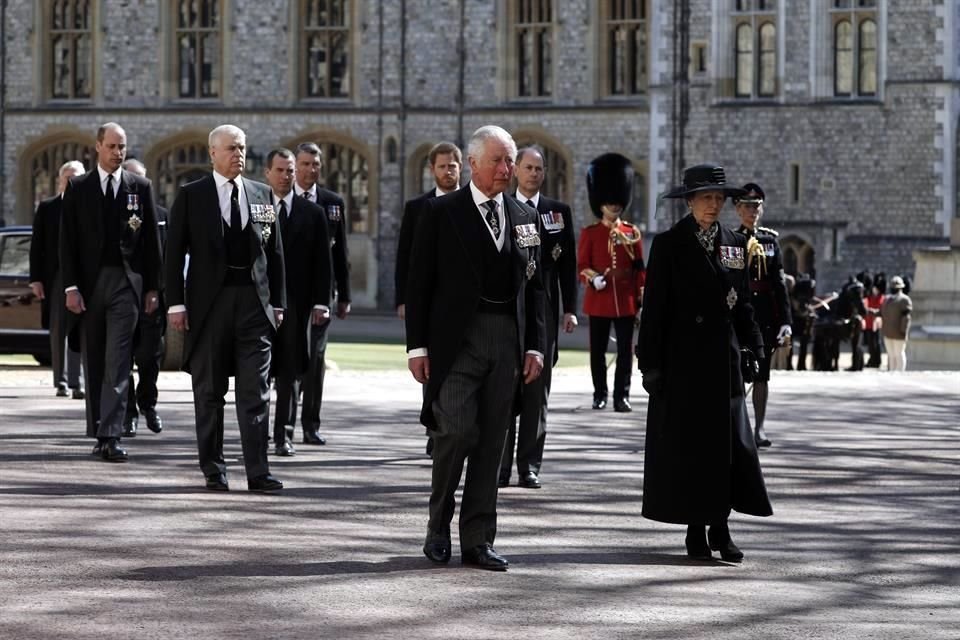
(65, 362)
(599, 335)
(472, 409)
(235, 340)
(313, 379)
(107, 346)
(148, 355)
(286, 372)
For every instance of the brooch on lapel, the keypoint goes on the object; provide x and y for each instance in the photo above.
(134, 222)
(732, 257)
(556, 251)
(531, 268)
(552, 221)
(526, 235)
(335, 213)
(732, 298)
(133, 202)
(265, 215)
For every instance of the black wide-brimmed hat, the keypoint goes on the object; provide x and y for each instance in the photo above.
(610, 180)
(704, 177)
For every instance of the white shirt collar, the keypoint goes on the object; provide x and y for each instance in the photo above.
(312, 191)
(437, 191)
(116, 179)
(288, 199)
(535, 198)
(222, 180)
(479, 198)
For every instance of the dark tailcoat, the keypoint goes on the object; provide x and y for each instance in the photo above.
(444, 284)
(336, 211)
(408, 226)
(84, 229)
(45, 250)
(700, 456)
(306, 255)
(196, 227)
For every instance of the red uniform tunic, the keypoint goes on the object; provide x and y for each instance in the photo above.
(615, 251)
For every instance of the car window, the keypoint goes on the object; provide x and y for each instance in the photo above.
(15, 255)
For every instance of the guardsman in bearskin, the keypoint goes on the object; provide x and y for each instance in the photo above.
(610, 263)
(768, 294)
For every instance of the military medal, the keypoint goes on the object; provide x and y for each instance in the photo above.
(732, 257)
(134, 222)
(732, 298)
(133, 202)
(265, 215)
(556, 251)
(334, 212)
(526, 235)
(552, 221)
(531, 268)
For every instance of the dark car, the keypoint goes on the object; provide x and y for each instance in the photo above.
(20, 328)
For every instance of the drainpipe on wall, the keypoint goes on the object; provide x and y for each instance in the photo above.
(462, 54)
(402, 143)
(3, 112)
(381, 164)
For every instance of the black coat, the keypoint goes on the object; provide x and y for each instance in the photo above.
(83, 224)
(196, 228)
(306, 256)
(699, 460)
(45, 250)
(445, 281)
(333, 206)
(558, 257)
(408, 225)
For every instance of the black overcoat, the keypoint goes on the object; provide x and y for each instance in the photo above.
(700, 456)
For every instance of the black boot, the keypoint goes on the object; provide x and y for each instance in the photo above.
(696, 542)
(719, 537)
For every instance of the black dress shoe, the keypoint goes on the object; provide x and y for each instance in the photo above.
(113, 452)
(62, 392)
(312, 436)
(218, 482)
(97, 448)
(78, 394)
(530, 481)
(429, 446)
(154, 423)
(719, 537)
(484, 557)
(761, 439)
(599, 402)
(696, 543)
(285, 450)
(437, 546)
(503, 481)
(130, 427)
(264, 484)
(622, 406)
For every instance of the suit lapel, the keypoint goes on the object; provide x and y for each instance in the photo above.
(214, 218)
(514, 216)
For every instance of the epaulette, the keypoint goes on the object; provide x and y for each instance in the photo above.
(769, 231)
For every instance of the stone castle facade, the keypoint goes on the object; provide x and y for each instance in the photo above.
(845, 111)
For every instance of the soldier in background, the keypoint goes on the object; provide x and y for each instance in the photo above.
(768, 295)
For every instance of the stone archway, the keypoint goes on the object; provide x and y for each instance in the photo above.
(799, 256)
(40, 167)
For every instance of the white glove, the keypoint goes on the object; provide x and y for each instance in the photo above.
(599, 283)
(785, 332)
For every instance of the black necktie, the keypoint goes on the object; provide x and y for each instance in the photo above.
(492, 220)
(108, 196)
(284, 217)
(236, 222)
(306, 196)
(531, 205)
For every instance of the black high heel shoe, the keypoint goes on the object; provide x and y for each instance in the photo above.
(719, 538)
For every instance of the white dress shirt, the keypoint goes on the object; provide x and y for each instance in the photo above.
(312, 191)
(224, 191)
(535, 199)
(479, 198)
(116, 180)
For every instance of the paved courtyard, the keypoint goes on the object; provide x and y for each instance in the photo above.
(864, 476)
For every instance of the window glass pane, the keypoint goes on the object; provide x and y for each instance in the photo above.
(744, 78)
(843, 59)
(524, 62)
(640, 60)
(325, 42)
(617, 61)
(867, 85)
(768, 60)
(546, 63)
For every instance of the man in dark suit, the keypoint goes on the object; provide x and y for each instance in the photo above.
(148, 343)
(445, 162)
(231, 305)
(475, 320)
(307, 174)
(47, 285)
(558, 259)
(306, 254)
(110, 256)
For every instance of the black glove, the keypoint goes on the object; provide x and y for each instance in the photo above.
(749, 367)
(652, 381)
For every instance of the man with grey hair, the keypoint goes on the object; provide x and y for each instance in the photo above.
(230, 306)
(148, 349)
(475, 321)
(47, 284)
(110, 254)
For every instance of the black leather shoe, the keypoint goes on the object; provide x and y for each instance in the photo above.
(719, 537)
(696, 543)
(599, 402)
(130, 427)
(622, 406)
(218, 482)
(503, 481)
(113, 452)
(286, 450)
(484, 557)
(761, 438)
(78, 394)
(97, 448)
(312, 436)
(264, 484)
(154, 423)
(437, 546)
(62, 392)
(530, 481)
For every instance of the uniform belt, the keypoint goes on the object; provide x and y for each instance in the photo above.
(760, 285)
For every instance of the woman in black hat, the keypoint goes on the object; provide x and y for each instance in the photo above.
(696, 325)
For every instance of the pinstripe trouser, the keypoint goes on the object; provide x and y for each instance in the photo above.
(473, 407)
